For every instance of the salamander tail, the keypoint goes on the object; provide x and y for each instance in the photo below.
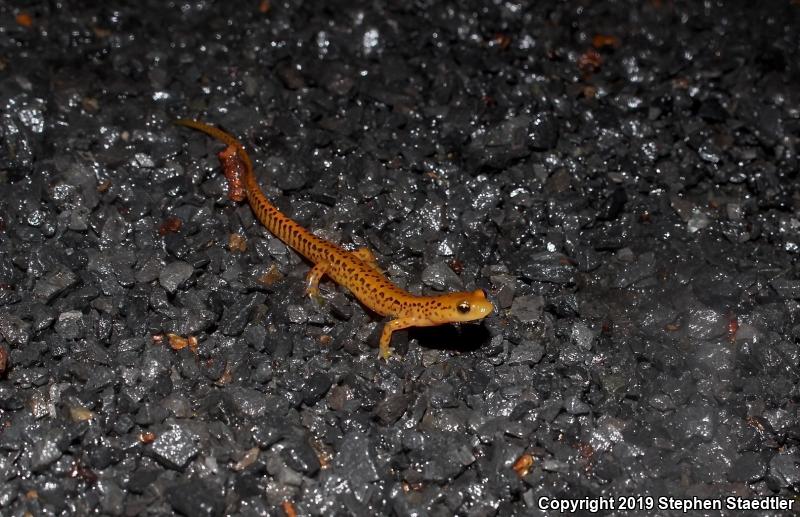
(220, 135)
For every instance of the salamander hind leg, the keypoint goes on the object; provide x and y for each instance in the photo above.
(313, 278)
(367, 256)
(385, 351)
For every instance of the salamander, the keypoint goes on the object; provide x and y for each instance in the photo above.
(357, 270)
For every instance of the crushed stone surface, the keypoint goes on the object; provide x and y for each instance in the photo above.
(620, 177)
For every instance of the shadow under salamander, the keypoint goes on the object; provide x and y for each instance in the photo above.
(463, 338)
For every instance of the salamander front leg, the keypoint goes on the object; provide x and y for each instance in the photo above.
(385, 351)
(313, 278)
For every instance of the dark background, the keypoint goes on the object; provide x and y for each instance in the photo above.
(620, 176)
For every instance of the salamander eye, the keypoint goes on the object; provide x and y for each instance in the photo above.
(463, 307)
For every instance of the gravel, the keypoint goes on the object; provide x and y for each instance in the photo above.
(622, 180)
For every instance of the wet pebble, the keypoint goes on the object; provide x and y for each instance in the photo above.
(527, 352)
(196, 497)
(299, 456)
(174, 275)
(47, 449)
(749, 467)
(70, 325)
(53, 284)
(441, 277)
(527, 309)
(236, 316)
(316, 386)
(174, 448)
(357, 463)
(14, 329)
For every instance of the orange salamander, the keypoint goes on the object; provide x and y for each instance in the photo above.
(356, 270)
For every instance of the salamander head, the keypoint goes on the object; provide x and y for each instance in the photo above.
(463, 307)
